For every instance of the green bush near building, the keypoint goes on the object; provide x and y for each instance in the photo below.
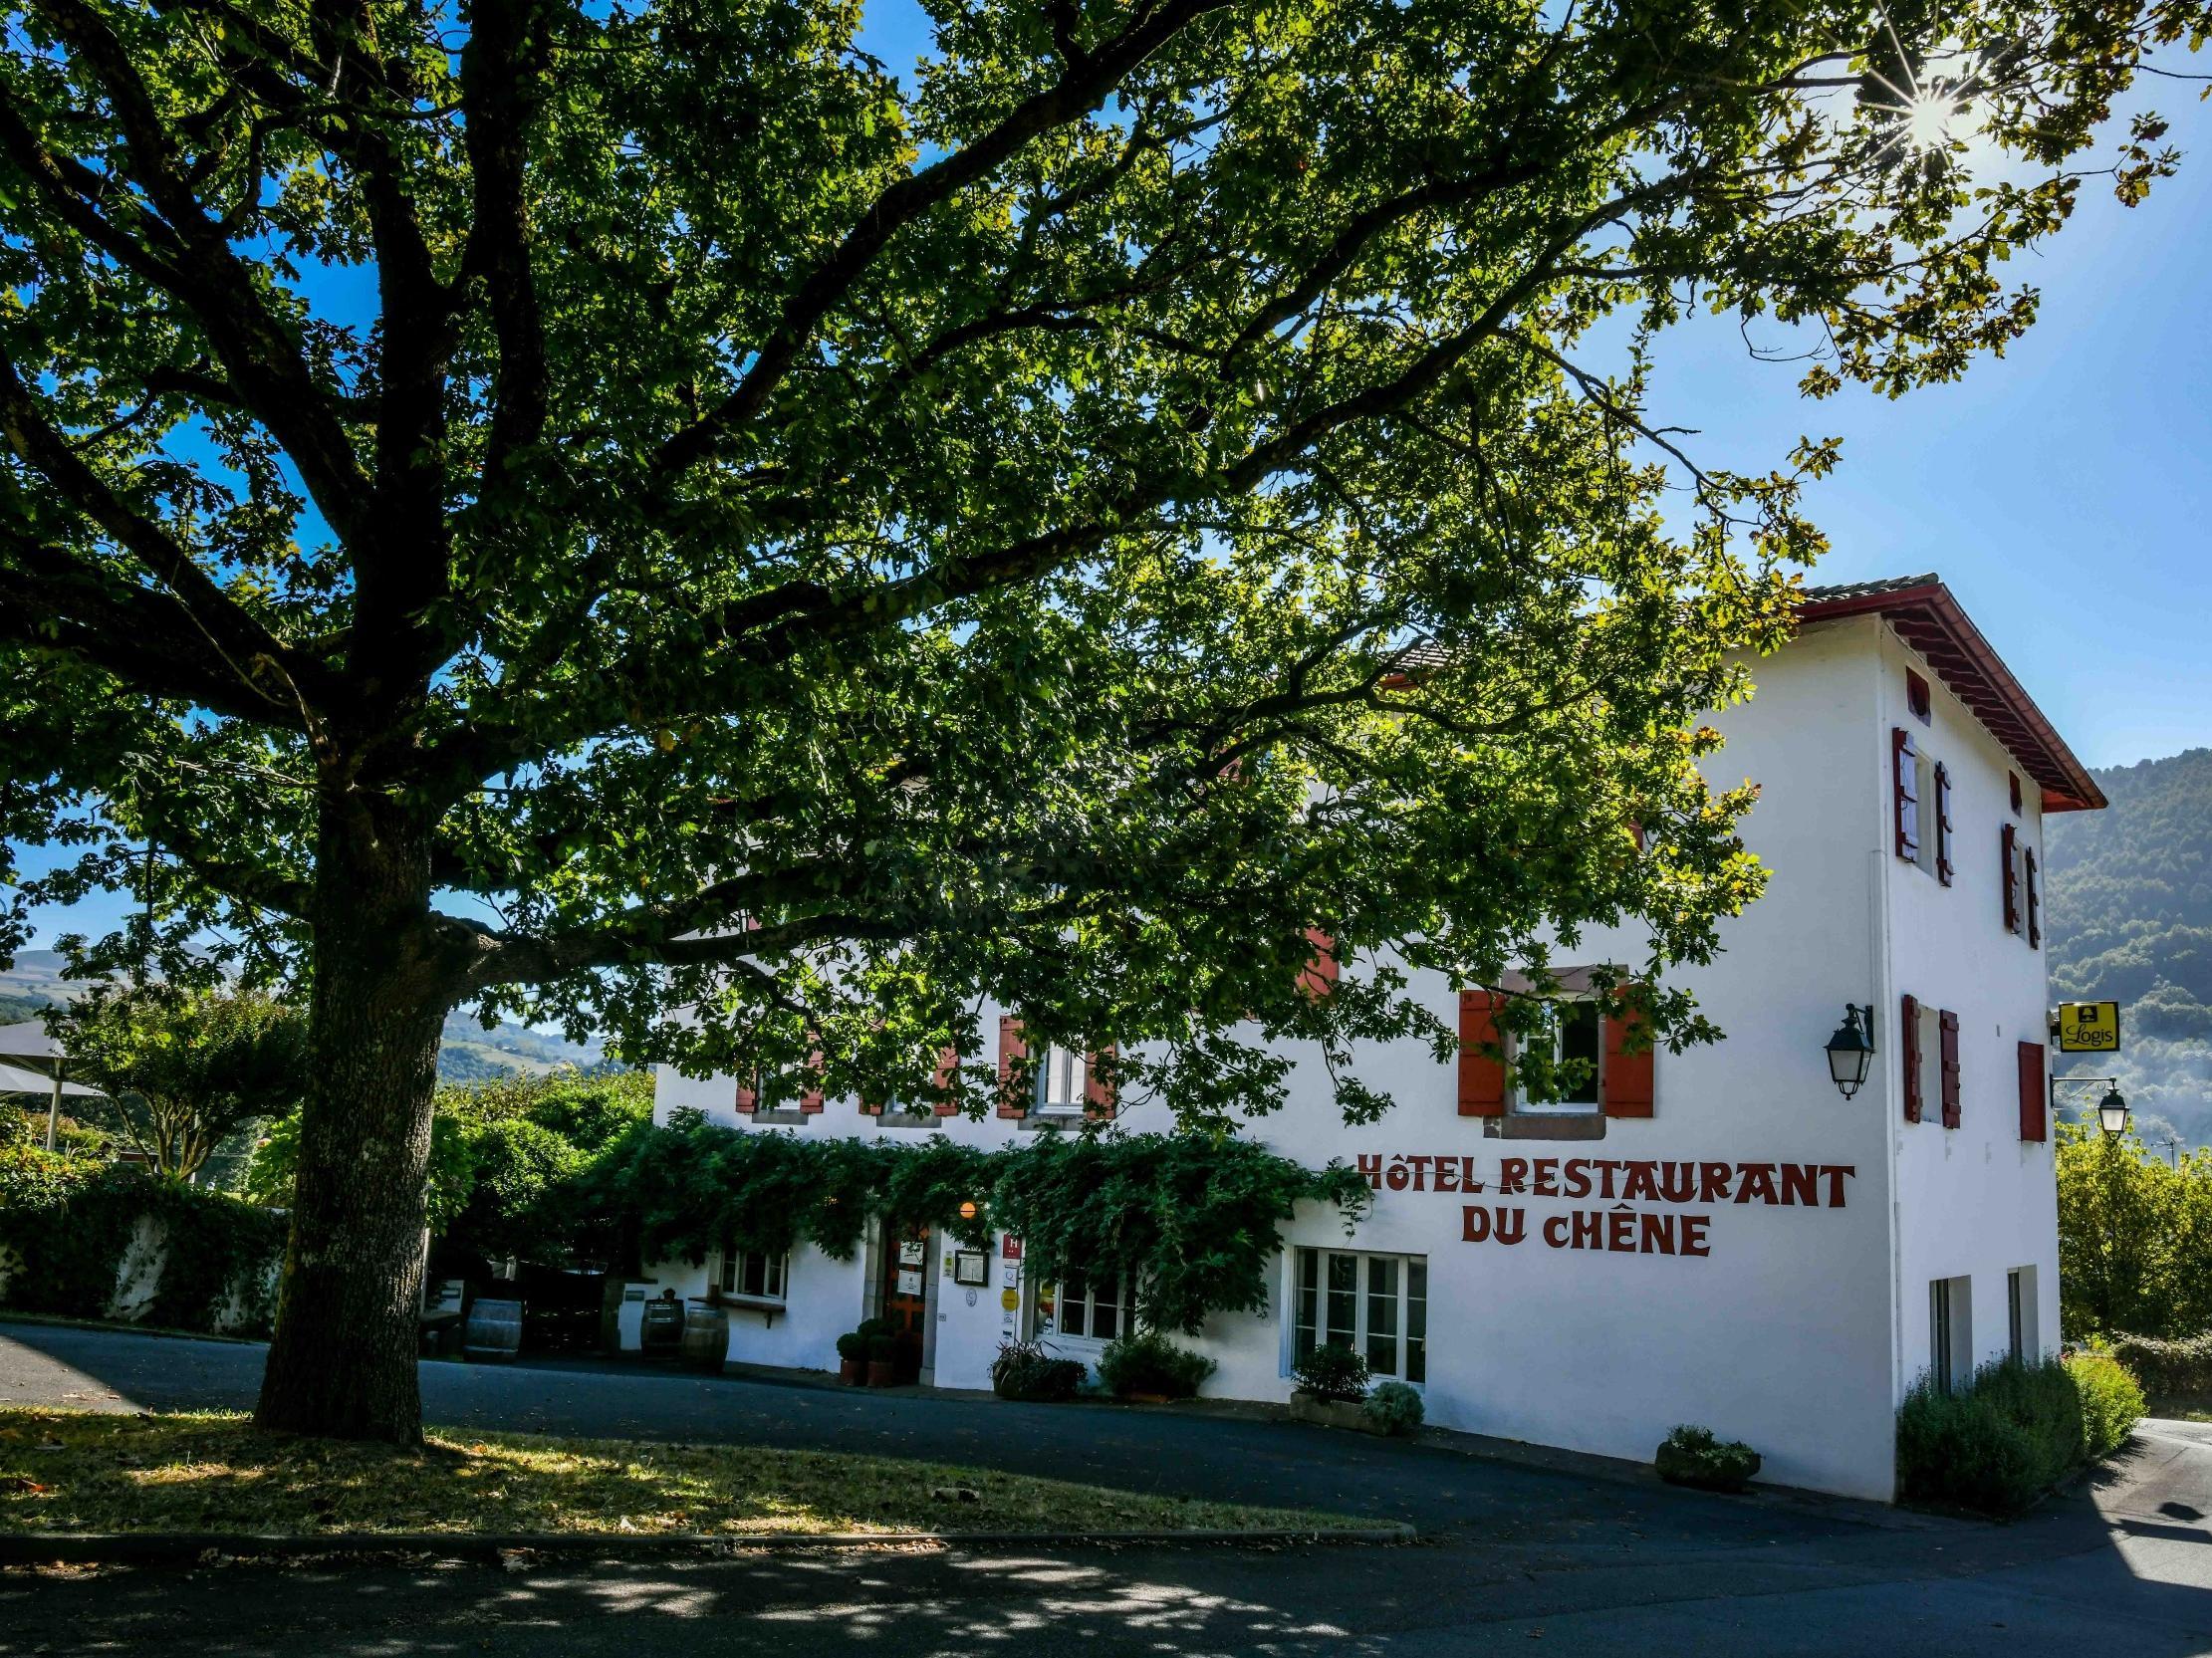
(2013, 1432)
(2172, 1373)
(1147, 1362)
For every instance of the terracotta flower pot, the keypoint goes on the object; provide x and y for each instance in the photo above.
(882, 1372)
(852, 1371)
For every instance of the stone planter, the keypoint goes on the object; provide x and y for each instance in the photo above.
(1331, 1413)
(852, 1371)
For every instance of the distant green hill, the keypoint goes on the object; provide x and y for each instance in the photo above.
(2131, 908)
(468, 1053)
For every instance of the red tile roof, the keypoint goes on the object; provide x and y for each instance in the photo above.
(1928, 618)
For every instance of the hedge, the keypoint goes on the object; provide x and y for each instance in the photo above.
(2169, 1370)
(2013, 1432)
(67, 1223)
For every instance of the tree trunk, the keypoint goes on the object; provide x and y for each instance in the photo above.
(343, 1361)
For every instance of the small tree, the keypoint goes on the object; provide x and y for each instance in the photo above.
(186, 1069)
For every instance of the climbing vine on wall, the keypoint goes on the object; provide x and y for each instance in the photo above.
(1194, 1221)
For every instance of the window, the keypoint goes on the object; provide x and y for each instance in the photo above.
(1943, 825)
(2008, 852)
(1950, 1331)
(1916, 698)
(1083, 1308)
(1062, 1078)
(1376, 1304)
(1904, 793)
(752, 1274)
(2013, 778)
(1570, 1045)
(2020, 1313)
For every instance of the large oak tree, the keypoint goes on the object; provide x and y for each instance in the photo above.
(583, 509)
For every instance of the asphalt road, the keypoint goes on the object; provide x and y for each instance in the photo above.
(1514, 1554)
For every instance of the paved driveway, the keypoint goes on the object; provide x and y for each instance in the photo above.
(1515, 1554)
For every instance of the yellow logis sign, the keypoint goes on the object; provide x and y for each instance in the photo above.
(2088, 1027)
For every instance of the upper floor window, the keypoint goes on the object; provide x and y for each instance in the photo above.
(1063, 1080)
(1570, 1046)
(1917, 698)
(2013, 778)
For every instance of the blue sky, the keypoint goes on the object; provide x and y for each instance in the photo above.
(2064, 491)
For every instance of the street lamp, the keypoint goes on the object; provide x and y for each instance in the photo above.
(1851, 1049)
(2111, 1110)
(2112, 1114)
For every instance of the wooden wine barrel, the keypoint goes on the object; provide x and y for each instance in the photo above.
(706, 1336)
(494, 1330)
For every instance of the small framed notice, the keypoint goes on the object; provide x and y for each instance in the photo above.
(909, 1281)
(971, 1267)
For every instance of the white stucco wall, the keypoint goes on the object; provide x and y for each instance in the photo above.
(1974, 1201)
(1797, 1330)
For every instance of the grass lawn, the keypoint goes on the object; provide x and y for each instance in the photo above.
(82, 1470)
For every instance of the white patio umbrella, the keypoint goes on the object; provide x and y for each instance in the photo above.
(26, 1051)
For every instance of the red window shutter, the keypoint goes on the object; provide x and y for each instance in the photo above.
(810, 1097)
(1319, 976)
(2007, 840)
(2035, 898)
(1904, 793)
(1099, 1101)
(747, 1096)
(1943, 825)
(1909, 1029)
(2033, 1095)
(1482, 1077)
(1625, 1083)
(1948, 1022)
(947, 1082)
(1011, 1050)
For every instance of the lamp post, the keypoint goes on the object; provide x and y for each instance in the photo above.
(1851, 1049)
(2111, 1109)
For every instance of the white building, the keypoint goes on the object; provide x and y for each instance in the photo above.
(1715, 1237)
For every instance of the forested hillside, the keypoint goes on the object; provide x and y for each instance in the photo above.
(2131, 908)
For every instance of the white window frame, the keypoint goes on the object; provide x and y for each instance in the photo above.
(2023, 1340)
(730, 1274)
(1522, 1105)
(1929, 809)
(1951, 1333)
(1062, 1066)
(1402, 1338)
(1056, 1330)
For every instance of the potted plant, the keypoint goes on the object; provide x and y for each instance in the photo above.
(1148, 1368)
(1024, 1371)
(1693, 1456)
(852, 1358)
(1332, 1388)
(882, 1361)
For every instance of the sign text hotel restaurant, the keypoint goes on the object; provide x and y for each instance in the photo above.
(1615, 1188)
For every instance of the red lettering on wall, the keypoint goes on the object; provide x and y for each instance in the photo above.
(1621, 1229)
(1837, 1174)
(1554, 1231)
(1370, 1165)
(1678, 1181)
(1513, 1175)
(1712, 1182)
(1513, 1224)
(1447, 1174)
(1547, 1177)
(1758, 1182)
(1693, 1235)
(1642, 1184)
(1475, 1222)
(1800, 1185)
(1577, 1177)
(1658, 1235)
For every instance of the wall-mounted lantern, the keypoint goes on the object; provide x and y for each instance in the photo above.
(2111, 1110)
(1851, 1049)
(967, 1210)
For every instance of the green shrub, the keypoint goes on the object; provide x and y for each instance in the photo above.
(1997, 1444)
(1332, 1372)
(1146, 1362)
(1394, 1407)
(882, 1349)
(1693, 1456)
(1024, 1371)
(2111, 1400)
(2178, 1371)
(852, 1347)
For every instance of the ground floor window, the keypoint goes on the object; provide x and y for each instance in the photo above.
(1079, 1306)
(753, 1273)
(1950, 1331)
(1376, 1304)
(2020, 1312)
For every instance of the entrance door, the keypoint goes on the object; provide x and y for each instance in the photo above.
(907, 1295)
